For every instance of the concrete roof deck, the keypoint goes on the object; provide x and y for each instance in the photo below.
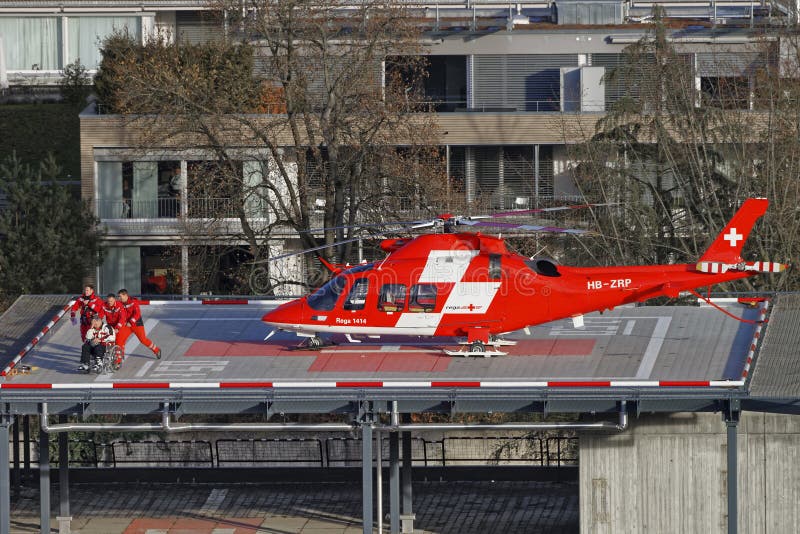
(205, 346)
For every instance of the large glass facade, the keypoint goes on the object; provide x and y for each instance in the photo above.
(139, 189)
(31, 43)
(87, 33)
(211, 190)
(503, 177)
(151, 270)
(39, 43)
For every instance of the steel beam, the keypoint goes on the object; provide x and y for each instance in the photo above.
(394, 483)
(64, 518)
(732, 422)
(17, 474)
(379, 480)
(44, 482)
(26, 442)
(408, 512)
(5, 483)
(366, 472)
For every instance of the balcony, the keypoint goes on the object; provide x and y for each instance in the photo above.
(175, 217)
(172, 208)
(162, 208)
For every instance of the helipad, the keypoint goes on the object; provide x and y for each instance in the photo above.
(219, 346)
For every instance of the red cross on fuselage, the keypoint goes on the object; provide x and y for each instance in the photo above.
(471, 307)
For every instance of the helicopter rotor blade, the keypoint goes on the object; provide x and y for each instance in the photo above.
(517, 213)
(527, 227)
(314, 249)
(365, 225)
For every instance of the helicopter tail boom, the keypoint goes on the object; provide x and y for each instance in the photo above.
(727, 247)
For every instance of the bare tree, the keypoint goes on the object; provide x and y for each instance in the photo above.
(305, 86)
(680, 158)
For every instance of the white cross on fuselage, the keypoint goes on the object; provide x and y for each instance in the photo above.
(732, 237)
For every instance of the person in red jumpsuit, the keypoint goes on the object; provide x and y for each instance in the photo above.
(133, 324)
(89, 305)
(115, 318)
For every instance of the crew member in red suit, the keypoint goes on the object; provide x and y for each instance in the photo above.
(115, 317)
(114, 312)
(133, 324)
(89, 305)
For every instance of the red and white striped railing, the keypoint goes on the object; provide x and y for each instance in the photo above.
(355, 384)
(38, 337)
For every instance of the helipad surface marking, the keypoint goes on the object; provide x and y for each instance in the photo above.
(653, 347)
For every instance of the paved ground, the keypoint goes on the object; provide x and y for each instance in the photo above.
(226, 343)
(321, 508)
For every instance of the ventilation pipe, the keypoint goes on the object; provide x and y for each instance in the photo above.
(168, 426)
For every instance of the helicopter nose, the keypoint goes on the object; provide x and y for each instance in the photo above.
(285, 315)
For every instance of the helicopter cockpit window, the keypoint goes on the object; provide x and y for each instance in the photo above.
(423, 298)
(324, 298)
(357, 298)
(392, 298)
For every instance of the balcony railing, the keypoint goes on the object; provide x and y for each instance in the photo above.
(172, 208)
(549, 105)
(161, 208)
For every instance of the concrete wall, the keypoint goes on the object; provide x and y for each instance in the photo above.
(669, 474)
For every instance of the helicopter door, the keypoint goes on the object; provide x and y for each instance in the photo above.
(421, 305)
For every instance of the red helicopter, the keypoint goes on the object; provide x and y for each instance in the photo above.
(469, 285)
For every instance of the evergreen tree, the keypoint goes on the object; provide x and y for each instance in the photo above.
(48, 239)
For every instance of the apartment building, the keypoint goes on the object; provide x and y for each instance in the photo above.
(513, 85)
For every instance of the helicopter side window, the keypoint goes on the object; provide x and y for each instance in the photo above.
(357, 298)
(324, 298)
(423, 298)
(392, 298)
(494, 267)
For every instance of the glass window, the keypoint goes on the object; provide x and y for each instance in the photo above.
(214, 189)
(423, 298)
(161, 271)
(170, 183)
(324, 298)
(392, 298)
(357, 298)
(31, 43)
(494, 266)
(122, 267)
(87, 33)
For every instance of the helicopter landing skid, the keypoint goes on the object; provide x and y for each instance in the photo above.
(495, 343)
(476, 348)
(313, 343)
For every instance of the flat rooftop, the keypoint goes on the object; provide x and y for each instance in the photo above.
(218, 346)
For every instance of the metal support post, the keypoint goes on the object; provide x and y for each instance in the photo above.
(64, 519)
(732, 422)
(408, 514)
(394, 483)
(379, 479)
(44, 482)
(5, 485)
(17, 474)
(366, 472)
(394, 472)
(26, 441)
